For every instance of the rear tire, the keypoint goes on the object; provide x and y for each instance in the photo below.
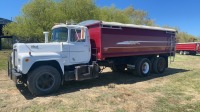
(43, 80)
(181, 52)
(143, 67)
(185, 53)
(159, 65)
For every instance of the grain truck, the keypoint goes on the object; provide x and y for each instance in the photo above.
(77, 52)
(191, 48)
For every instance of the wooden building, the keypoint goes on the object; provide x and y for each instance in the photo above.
(2, 23)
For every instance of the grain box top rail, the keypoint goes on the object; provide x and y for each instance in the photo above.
(189, 43)
(91, 22)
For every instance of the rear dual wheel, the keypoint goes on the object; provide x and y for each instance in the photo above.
(143, 67)
(181, 52)
(185, 53)
(159, 65)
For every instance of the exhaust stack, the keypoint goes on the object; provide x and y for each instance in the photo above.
(46, 36)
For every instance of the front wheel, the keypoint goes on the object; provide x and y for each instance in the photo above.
(44, 80)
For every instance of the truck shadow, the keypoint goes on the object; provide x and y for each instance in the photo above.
(104, 79)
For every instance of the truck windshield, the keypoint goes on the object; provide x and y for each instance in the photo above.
(59, 34)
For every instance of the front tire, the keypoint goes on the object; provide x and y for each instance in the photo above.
(43, 80)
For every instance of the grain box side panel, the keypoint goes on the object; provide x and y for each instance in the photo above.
(134, 41)
(186, 47)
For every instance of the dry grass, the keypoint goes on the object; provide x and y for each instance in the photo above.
(4, 54)
(176, 90)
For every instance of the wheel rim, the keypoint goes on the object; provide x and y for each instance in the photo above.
(45, 81)
(145, 68)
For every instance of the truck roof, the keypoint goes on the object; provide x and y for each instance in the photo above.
(91, 22)
(67, 26)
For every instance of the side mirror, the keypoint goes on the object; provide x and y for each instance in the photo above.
(46, 36)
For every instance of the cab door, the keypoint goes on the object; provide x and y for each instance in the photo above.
(80, 50)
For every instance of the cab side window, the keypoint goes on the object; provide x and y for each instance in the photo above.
(76, 36)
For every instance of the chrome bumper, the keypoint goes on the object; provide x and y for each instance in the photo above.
(12, 73)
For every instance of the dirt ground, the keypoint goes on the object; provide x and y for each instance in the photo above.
(111, 92)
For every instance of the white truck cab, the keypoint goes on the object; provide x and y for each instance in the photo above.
(43, 66)
(74, 42)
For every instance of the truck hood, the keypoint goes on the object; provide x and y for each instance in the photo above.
(37, 47)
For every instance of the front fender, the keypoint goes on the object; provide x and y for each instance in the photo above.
(25, 65)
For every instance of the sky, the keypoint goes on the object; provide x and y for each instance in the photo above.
(184, 14)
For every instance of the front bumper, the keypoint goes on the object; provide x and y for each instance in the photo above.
(12, 73)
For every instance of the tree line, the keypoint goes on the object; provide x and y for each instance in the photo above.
(40, 15)
(182, 37)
